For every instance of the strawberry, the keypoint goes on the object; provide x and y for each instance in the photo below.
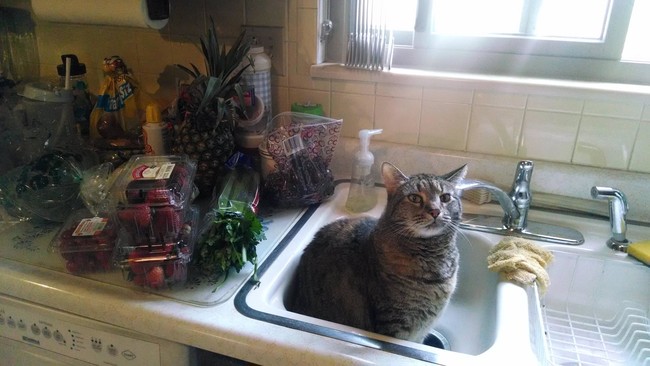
(135, 218)
(167, 223)
(156, 277)
(103, 258)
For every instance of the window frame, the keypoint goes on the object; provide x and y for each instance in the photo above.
(595, 62)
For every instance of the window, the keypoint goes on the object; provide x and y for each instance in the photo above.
(593, 40)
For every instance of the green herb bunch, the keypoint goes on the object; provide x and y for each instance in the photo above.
(229, 242)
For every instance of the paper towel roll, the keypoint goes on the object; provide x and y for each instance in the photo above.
(130, 13)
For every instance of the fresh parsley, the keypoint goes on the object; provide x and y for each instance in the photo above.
(228, 242)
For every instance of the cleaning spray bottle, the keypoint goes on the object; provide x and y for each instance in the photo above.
(362, 196)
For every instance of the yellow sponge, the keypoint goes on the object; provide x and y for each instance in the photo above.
(640, 250)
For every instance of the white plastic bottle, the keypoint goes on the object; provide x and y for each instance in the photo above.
(155, 134)
(259, 79)
(363, 196)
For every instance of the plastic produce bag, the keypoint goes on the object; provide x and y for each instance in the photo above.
(302, 146)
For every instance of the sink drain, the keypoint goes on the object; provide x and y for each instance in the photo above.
(437, 340)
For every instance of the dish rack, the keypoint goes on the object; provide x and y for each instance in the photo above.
(597, 312)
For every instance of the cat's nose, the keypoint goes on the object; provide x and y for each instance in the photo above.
(434, 213)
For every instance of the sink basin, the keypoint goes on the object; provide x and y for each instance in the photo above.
(484, 317)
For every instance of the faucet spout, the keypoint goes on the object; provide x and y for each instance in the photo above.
(617, 210)
(510, 211)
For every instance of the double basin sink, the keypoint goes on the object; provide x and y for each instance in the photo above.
(595, 311)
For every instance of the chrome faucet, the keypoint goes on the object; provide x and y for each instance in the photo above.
(516, 205)
(617, 210)
(521, 195)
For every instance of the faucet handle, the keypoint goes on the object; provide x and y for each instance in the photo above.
(618, 208)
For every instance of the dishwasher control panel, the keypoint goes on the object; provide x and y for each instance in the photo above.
(95, 346)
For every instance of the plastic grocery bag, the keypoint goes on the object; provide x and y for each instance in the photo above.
(302, 146)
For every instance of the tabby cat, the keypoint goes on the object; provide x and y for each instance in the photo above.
(392, 275)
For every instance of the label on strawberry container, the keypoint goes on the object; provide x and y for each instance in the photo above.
(153, 172)
(91, 226)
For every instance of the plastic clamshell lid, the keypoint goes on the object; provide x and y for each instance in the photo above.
(155, 181)
(84, 232)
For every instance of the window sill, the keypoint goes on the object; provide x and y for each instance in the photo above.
(437, 79)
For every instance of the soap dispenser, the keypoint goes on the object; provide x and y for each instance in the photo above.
(362, 196)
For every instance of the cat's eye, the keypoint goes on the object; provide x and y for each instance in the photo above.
(415, 198)
(445, 197)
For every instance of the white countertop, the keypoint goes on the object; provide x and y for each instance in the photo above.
(219, 328)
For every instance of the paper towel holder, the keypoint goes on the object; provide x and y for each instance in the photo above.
(134, 13)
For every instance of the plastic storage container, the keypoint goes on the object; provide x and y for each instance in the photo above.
(152, 194)
(86, 242)
(160, 264)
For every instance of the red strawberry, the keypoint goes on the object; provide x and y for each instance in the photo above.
(135, 218)
(104, 259)
(156, 277)
(167, 223)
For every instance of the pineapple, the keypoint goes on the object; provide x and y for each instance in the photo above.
(207, 110)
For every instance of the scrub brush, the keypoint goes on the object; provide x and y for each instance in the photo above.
(640, 250)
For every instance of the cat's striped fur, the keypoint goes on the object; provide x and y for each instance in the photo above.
(391, 275)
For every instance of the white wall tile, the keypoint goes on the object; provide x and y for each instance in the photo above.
(605, 142)
(400, 119)
(646, 113)
(496, 99)
(356, 110)
(399, 91)
(641, 156)
(554, 104)
(549, 136)
(356, 87)
(444, 125)
(613, 109)
(494, 130)
(448, 95)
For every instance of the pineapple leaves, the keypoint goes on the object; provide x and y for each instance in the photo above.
(223, 73)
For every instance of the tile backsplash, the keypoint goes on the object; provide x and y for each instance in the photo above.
(602, 128)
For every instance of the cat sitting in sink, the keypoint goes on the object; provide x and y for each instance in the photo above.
(392, 275)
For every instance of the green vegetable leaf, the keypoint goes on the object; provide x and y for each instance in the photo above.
(230, 242)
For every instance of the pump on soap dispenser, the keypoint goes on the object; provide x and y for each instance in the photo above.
(362, 196)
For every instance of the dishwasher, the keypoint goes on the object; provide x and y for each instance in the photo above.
(34, 334)
(31, 334)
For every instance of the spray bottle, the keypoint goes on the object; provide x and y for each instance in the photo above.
(362, 196)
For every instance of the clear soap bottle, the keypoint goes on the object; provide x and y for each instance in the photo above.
(363, 196)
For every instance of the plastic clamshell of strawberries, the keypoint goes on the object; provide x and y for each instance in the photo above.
(153, 194)
(86, 242)
(161, 264)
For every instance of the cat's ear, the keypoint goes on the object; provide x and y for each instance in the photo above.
(393, 177)
(456, 176)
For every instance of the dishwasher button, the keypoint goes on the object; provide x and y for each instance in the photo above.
(35, 329)
(47, 333)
